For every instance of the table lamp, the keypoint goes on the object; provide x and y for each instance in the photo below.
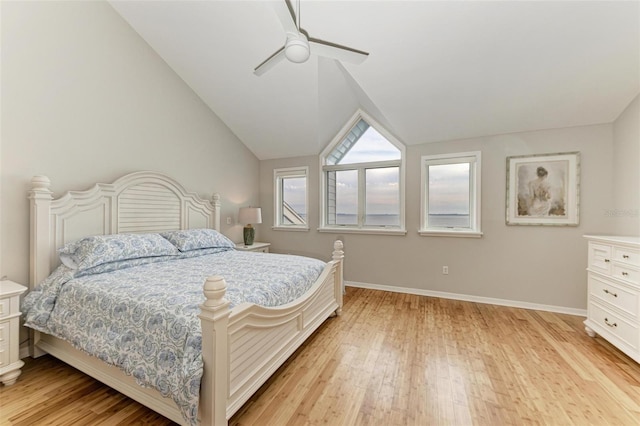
(249, 215)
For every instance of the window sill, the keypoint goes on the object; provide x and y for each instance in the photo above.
(449, 233)
(291, 228)
(374, 231)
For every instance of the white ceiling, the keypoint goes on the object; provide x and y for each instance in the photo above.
(436, 70)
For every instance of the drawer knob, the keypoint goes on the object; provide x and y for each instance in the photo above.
(625, 256)
(606, 321)
(611, 293)
(607, 260)
(624, 274)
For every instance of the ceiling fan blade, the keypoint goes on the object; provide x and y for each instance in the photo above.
(270, 62)
(336, 51)
(286, 16)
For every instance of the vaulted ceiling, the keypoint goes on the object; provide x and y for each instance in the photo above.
(436, 70)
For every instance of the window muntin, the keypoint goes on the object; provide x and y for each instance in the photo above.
(363, 180)
(291, 199)
(451, 194)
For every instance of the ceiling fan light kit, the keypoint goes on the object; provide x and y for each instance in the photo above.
(297, 48)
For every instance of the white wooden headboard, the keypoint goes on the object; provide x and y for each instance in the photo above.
(137, 202)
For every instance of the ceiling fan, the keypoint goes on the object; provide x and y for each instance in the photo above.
(299, 45)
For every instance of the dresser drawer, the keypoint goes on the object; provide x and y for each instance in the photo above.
(627, 256)
(625, 273)
(600, 257)
(613, 324)
(625, 299)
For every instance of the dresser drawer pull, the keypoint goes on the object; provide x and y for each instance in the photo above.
(607, 260)
(606, 321)
(611, 293)
(625, 256)
(624, 274)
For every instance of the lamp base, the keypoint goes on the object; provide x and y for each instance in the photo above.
(249, 233)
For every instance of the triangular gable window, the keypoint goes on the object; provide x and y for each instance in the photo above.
(363, 144)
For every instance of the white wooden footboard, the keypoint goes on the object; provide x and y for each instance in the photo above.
(258, 340)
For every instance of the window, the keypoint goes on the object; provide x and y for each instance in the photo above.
(291, 199)
(363, 180)
(451, 195)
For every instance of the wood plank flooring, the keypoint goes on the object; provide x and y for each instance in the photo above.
(392, 359)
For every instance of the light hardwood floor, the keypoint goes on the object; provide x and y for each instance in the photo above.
(393, 359)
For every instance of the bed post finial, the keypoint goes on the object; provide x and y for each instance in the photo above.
(40, 184)
(338, 253)
(214, 290)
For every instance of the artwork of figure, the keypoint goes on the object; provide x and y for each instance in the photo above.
(539, 194)
(542, 189)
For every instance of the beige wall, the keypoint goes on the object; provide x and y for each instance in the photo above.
(625, 211)
(538, 265)
(84, 100)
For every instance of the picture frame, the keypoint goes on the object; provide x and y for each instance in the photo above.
(543, 189)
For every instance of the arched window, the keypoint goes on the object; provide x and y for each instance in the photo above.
(363, 180)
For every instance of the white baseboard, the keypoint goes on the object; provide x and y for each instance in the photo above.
(468, 298)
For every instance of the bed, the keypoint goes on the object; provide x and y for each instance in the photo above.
(242, 344)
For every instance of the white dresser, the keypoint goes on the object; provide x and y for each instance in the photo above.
(613, 309)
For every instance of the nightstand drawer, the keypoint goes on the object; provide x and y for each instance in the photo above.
(614, 325)
(5, 307)
(5, 331)
(10, 363)
(625, 299)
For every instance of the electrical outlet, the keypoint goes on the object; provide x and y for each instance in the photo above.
(445, 270)
(228, 220)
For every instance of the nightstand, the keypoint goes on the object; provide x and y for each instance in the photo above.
(256, 246)
(10, 363)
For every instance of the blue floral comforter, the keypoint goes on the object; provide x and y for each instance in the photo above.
(143, 319)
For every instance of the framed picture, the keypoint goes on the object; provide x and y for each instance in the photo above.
(543, 189)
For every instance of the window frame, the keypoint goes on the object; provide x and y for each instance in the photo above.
(474, 158)
(278, 175)
(360, 227)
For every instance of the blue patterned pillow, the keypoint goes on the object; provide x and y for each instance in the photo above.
(99, 249)
(195, 239)
(123, 264)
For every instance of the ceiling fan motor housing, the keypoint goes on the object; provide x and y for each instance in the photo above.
(297, 48)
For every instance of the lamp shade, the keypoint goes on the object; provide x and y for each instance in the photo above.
(249, 215)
